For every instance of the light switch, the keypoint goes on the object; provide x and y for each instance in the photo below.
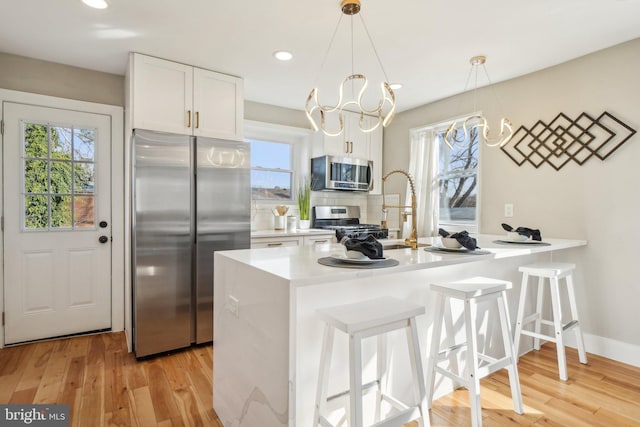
(508, 210)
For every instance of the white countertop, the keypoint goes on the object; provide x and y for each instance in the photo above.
(289, 233)
(299, 265)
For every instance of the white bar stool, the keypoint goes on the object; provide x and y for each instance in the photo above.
(554, 271)
(361, 320)
(472, 291)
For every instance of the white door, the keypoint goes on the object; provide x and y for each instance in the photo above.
(57, 222)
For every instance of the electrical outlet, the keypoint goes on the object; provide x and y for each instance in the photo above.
(233, 305)
(508, 210)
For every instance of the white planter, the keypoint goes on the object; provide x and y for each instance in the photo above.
(304, 224)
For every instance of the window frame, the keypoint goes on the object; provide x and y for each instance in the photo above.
(298, 140)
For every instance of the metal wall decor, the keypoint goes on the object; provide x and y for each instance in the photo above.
(565, 139)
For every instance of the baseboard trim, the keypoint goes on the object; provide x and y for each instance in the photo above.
(609, 348)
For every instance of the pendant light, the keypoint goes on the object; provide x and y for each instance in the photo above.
(454, 136)
(386, 106)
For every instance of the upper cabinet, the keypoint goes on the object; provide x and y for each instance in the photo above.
(350, 143)
(172, 97)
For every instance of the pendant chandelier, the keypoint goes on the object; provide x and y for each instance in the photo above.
(385, 109)
(459, 137)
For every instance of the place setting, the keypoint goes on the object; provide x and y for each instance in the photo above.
(359, 253)
(521, 236)
(460, 243)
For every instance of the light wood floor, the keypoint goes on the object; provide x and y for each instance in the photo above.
(105, 385)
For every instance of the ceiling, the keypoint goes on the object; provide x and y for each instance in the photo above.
(424, 44)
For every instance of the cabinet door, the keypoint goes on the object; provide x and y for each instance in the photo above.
(358, 140)
(162, 95)
(375, 155)
(217, 104)
(275, 242)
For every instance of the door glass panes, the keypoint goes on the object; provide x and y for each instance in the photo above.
(59, 177)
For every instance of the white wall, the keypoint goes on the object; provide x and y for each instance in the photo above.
(598, 201)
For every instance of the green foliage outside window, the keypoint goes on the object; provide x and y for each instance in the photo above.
(49, 166)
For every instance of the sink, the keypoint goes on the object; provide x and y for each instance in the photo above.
(402, 246)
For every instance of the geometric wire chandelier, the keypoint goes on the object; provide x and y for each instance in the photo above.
(356, 84)
(459, 137)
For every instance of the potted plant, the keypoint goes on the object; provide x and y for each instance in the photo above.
(304, 203)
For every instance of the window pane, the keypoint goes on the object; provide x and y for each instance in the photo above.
(84, 178)
(36, 179)
(83, 144)
(35, 212)
(270, 185)
(61, 143)
(83, 211)
(61, 177)
(458, 180)
(458, 199)
(35, 141)
(60, 211)
(271, 155)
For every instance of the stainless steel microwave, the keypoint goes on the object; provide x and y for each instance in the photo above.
(341, 173)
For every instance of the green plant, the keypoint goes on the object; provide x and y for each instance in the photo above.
(304, 199)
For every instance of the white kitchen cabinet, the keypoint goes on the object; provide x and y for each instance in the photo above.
(320, 239)
(289, 240)
(275, 242)
(172, 97)
(353, 142)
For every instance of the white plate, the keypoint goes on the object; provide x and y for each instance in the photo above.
(442, 248)
(526, 242)
(365, 260)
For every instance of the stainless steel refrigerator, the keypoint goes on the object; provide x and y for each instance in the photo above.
(191, 196)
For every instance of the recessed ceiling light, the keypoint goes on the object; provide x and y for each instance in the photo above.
(395, 86)
(282, 55)
(96, 4)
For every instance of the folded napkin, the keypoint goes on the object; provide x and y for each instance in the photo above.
(462, 237)
(524, 231)
(368, 246)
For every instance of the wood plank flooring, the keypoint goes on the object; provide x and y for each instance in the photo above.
(105, 386)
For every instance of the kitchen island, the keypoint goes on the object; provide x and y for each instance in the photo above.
(267, 337)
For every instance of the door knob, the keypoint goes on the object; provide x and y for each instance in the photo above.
(103, 239)
(103, 224)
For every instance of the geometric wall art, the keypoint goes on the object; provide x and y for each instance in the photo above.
(565, 139)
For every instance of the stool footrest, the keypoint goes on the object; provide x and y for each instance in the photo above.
(541, 336)
(365, 389)
(324, 422)
(394, 402)
(443, 354)
(570, 325)
(487, 370)
(403, 417)
(530, 318)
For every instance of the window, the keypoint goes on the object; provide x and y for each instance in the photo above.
(458, 182)
(271, 170)
(58, 170)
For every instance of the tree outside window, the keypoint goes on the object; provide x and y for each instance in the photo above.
(458, 181)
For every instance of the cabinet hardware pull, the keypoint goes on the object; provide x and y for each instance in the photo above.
(274, 244)
(188, 118)
(321, 241)
(197, 119)
(350, 147)
(346, 147)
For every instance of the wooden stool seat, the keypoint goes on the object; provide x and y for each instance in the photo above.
(361, 320)
(554, 271)
(472, 291)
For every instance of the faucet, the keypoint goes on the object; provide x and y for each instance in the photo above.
(412, 240)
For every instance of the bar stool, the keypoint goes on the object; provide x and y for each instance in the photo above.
(554, 271)
(471, 292)
(361, 320)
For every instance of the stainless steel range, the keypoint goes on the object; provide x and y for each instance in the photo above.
(346, 219)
